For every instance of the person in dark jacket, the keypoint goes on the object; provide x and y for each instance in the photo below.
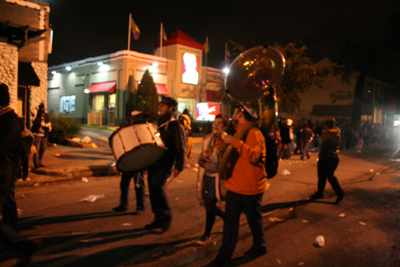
(286, 140)
(329, 160)
(40, 129)
(306, 137)
(10, 137)
(172, 162)
(136, 176)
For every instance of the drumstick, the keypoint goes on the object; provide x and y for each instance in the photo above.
(169, 181)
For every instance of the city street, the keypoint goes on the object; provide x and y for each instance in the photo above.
(363, 230)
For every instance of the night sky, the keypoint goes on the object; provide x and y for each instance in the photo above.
(90, 28)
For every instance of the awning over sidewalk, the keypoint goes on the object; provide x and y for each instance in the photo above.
(332, 110)
(107, 87)
(27, 75)
(161, 90)
(214, 95)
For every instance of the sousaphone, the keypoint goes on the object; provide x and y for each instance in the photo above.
(252, 77)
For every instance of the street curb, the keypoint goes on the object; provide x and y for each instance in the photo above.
(98, 170)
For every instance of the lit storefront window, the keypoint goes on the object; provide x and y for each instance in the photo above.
(190, 73)
(67, 103)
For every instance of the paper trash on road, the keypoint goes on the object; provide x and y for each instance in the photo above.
(341, 215)
(285, 172)
(57, 155)
(276, 219)
(362, 223)
(126, 224)
(91, 198)
(84, 179)
(304, 221)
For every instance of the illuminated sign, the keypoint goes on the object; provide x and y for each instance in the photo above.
(190, 70)
(207, 111)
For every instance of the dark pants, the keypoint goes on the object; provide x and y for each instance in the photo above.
(211, 211)
(138, 180)
(305, 148)
(235, 204)
(10, 211)
(159, 203)
(284, 151)
(326, 169)
(23, 173)
(41, 144)
(9, 237)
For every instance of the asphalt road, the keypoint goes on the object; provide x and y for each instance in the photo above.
(363, 230)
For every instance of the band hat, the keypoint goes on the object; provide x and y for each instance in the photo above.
(249, 109)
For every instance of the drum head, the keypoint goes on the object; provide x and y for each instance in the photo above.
(140, 158)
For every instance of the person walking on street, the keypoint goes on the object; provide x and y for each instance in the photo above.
(208, 185)
(172, 162)
(10, 137)
(137, 176)
(285, 140)
(306, 137)
(329, 160)
(186, 122)
(40, 129)
(245, 188)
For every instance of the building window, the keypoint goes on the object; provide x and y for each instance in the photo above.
(190, 72)
(186, 103)
(67, 103)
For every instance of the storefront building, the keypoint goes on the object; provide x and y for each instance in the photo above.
(98, 90)
(25, 42)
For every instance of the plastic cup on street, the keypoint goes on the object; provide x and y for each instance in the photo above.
(320, 240)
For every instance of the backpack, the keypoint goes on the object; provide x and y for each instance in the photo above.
(271, 160)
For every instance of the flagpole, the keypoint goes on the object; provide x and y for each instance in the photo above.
(226, 54)
(206, 49)
(161, 38)
(129, 32)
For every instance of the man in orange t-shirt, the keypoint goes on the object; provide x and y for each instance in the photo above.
(245, 188)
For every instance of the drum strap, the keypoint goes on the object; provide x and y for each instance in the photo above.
(166, 123)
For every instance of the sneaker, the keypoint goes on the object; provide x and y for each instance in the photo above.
(138, 212)
(203, 240)
(157, 224)
(219, 262)
(317, 195)
(120, 209)
(20, 180)
(27, 179)
(255, 253)
(339, 198)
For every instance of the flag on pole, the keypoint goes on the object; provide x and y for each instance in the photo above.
(163, 35)
(206, 47)
(135, 30)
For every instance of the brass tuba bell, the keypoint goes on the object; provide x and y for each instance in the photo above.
(253, 73)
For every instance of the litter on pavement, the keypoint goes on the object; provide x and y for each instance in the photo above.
(91, 198)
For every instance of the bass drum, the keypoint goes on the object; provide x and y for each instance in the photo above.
(137, 147)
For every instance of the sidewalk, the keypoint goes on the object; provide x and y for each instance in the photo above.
(64, 163)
